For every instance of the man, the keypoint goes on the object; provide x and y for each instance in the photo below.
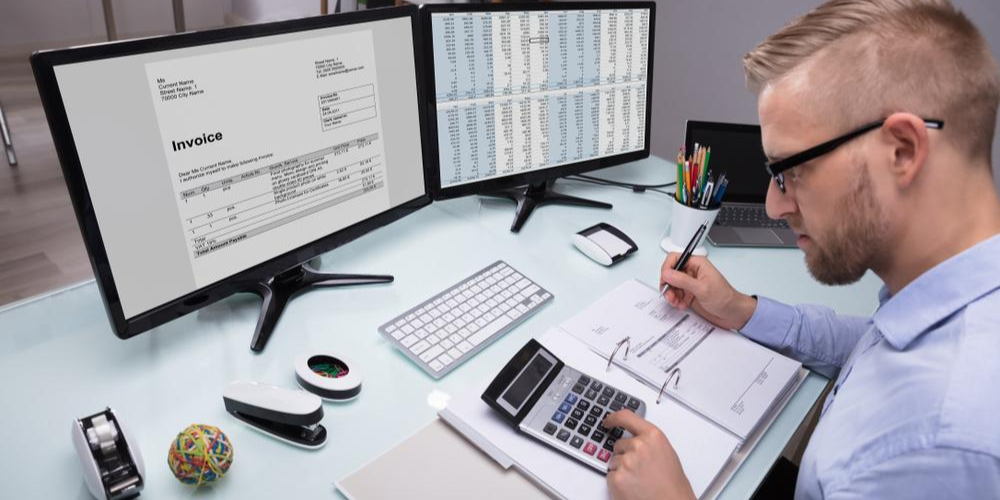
(915, 409)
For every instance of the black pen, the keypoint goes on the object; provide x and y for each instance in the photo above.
(686, 254)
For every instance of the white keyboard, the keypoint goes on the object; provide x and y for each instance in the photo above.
(454, 325)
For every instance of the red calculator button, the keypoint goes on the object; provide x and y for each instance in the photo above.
(604, 455)
(590, 448)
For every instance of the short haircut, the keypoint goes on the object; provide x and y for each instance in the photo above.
(867, 59)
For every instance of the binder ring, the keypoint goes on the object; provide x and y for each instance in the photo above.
(675, 371)
(627, 343)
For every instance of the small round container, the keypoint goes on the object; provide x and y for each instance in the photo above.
(329, 376)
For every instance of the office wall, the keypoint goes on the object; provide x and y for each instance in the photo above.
(699, 46)
(29, 24)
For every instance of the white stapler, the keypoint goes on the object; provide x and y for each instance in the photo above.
(290, 415)
(112, 464)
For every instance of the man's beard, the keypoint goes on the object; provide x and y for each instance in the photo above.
(846, 253)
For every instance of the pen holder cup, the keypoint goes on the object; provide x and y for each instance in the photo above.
(684, 222)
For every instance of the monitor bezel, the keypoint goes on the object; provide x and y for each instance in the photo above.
(537, 176)
(695, 125)
(44, 64)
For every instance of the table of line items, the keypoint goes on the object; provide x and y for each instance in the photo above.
(285, 191)
(518, 91)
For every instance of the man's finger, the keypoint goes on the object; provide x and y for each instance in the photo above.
(629, 421)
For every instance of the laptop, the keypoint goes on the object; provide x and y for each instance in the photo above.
(737, 150)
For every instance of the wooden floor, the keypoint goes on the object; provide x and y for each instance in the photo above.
(40, 244)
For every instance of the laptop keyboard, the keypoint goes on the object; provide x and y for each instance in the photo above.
(747, 216)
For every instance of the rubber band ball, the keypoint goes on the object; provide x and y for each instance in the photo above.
(200, 455)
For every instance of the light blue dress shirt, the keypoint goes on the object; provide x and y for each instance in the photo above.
(915, 410)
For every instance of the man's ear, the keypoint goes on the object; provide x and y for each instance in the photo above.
(906, 135)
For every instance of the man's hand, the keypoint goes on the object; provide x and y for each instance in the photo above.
(702, 288)
(644, 467)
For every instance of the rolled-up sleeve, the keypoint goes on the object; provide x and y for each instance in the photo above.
(814, 335)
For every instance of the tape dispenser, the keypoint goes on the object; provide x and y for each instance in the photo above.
(112, 467)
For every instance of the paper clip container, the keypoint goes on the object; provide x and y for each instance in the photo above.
(684, 222)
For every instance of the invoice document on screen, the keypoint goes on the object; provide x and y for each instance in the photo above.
(270, 147)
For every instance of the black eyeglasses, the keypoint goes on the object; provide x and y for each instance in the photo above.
(777, 169)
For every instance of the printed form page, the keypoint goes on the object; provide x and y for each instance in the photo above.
(277, 172)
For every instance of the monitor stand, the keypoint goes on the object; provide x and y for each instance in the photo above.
(278, 290)
(539, 194)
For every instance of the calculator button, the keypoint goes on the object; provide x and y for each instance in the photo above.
(608, 392)
(610, 444)
(571, 398)
(603, 400)
(621, 397)
(598, 436)
(590, 448)
(597, 386)
(578, 389)
(558, 417)
(563, 435)
(585, 430)
(583, 405)
(565, 408)
(615, 406)
(591, 394)
(604, 455)
(596, 411)
(584, 380)
(550, 428)
(617, 432)
(590, 420)
(578, 414)
(571, 423)
(576, 441)
(633, 403)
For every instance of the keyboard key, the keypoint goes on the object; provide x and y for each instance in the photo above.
(419, 347)
(550, 428)
(597, 436)
(447, 344)
(597, 386)
(589, 448)
(617, 432)
(633, 403)
(591, 394)
(489, 330)
(398, 334)
(578, 389)
(603, 400)
(576, 441)
(609, 444)
(583, 405)
(446, 359)
(604, 455)
(565, 407)
(621, 397)
(571, 398)
(407, 328)
(615, 406)
(408, 341)
(577, 413)
(433, 339)
(571, 423)
(436, 365)
(590, 420)
(431, 353)
(608, 392)
(563, 435)
(585, 380)
(585, 430)
(464, 346)
(596, 411)
(454, 352)
(558, 417)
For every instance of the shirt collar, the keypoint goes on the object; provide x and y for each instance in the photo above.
(938, 293)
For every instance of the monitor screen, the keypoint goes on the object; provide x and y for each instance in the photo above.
(518, 91)
(207, 160)
(738, 151)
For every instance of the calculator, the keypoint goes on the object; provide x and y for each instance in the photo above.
(559, 405)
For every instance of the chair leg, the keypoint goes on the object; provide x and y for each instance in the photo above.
(8, 144)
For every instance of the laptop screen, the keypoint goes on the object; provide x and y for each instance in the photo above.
(737, 150)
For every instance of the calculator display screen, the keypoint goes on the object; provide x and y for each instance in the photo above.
(527, 381)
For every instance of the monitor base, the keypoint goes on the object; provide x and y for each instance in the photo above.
(536, 195)
(278, 290)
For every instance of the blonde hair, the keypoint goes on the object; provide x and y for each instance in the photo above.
(866, 59)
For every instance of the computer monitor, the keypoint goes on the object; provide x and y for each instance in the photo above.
(522, 94)
(209, 163)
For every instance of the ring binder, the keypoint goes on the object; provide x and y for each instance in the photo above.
(628, 344)
(675, 371)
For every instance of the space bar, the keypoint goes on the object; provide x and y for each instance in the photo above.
(490, 329)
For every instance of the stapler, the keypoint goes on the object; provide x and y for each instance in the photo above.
(112, 464)
(292, 416)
